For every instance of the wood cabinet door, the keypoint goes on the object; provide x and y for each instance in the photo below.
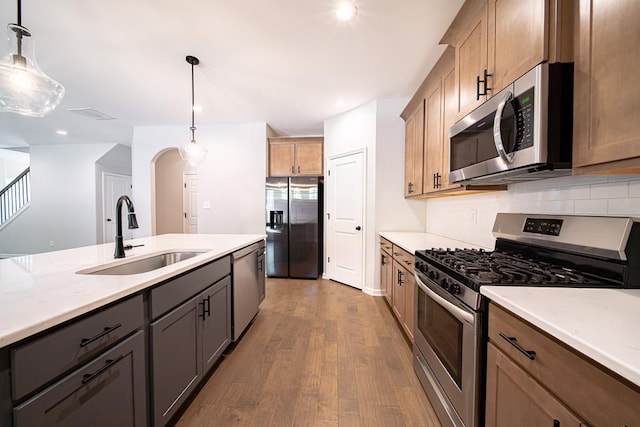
(409, 127)
(518, 39)
(409, 301)
(471, 61)
(449, 118)
(515, 399)
(308, 159)
(399, 274)
(281, 159)
(386, 271)
(433, 140)
(418, 150)
(216, 322)
(607, 59)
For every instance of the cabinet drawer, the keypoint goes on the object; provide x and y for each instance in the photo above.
(39, 361)
(170, 294)
(109, 391)
(386, 245)
(404, 258)
(597, 396)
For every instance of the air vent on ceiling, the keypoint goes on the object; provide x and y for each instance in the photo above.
(91, 113)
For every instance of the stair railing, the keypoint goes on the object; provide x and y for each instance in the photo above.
(15, 196)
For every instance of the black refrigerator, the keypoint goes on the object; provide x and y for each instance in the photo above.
(294, 227)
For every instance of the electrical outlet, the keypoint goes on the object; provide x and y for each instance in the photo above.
(206, 204)
(50, 243)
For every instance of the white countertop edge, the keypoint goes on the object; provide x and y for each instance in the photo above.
(628, 368)
(411, 241)
(140, 282)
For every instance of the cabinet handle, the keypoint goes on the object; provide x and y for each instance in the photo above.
(206, 307)
(484, 82)
(293, 169)
(556, 423)
(410, 188)
(382, 260)
(438, 176)
(399, 278)
(109, 363)
(298, 168)
(514, 342)
(86, 341)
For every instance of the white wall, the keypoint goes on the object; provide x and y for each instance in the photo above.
(470, 218)
(12, 163)
(231, 178)
(378, 128)
(63, 200)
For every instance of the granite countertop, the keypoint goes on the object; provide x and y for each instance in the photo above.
(43, 290)
(413, 241)
(603, 324)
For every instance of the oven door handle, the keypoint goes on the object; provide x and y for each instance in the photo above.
(457, 312)
(497, 134)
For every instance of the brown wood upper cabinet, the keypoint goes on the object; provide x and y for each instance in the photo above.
(607, 59)
(497, 41)
(413, 148)
(296, 156)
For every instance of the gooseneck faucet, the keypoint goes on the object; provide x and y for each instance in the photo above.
(133, 223)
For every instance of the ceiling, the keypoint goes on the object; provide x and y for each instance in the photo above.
(283, 62)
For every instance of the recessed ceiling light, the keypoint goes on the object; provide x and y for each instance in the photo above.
(346, 11)
(341, 103)
(62, 132)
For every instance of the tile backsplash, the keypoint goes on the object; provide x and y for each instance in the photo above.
(470, 218)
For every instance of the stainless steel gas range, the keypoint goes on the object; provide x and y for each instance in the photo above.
(530, 250)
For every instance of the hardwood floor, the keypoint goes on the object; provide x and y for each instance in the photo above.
(317, 354)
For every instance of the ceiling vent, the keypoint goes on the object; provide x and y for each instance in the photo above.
(91, 113)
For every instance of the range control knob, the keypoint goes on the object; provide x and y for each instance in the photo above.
(455, 289)
(445, 283)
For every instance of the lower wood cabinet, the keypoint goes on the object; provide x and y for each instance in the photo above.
(108, 391)
(534, 379)
(398, 284)
(185, 344)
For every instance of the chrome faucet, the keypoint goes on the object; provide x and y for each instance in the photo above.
(133, 223)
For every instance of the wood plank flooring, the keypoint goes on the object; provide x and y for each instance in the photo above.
(317, 354)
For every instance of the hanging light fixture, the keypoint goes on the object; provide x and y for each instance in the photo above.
(24, 88)
(191, 152)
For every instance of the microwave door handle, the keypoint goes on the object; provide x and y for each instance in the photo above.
(497, 135)
(457, 312)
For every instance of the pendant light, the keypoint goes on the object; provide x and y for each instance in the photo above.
(24, 88)
(191, 152)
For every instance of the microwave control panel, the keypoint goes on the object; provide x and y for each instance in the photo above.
(523, 108)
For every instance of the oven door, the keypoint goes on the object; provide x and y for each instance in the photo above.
(447, 339)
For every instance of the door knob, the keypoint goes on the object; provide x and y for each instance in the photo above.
(358, 228)
(108, 219)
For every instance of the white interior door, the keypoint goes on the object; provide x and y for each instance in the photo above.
(345, 197)
(114, 186)
(190, 203)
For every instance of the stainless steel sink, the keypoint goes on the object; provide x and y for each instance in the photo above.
(143, 265)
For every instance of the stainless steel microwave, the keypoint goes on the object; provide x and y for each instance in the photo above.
(522, 133)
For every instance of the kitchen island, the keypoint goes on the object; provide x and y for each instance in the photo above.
(61, 327)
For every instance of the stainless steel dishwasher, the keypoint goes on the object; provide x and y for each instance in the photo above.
(246, 288)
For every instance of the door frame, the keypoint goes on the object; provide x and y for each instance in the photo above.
(186, 200)
(103, 219)
(327, 272)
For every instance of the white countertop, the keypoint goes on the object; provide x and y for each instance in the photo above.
(603, 324)
(43, 290)
(412, 241)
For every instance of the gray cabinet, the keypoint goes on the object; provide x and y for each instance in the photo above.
(185, 344)
(108, 391)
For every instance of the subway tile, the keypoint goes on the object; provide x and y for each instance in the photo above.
(575, 193)
(628, 206)
(634, 188)
(613, 190)
(560, 206)
(591, 207)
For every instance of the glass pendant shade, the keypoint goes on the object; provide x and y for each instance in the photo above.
(24, 88)
(193, 153)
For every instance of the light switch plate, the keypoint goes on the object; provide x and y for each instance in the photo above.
(206, 204)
